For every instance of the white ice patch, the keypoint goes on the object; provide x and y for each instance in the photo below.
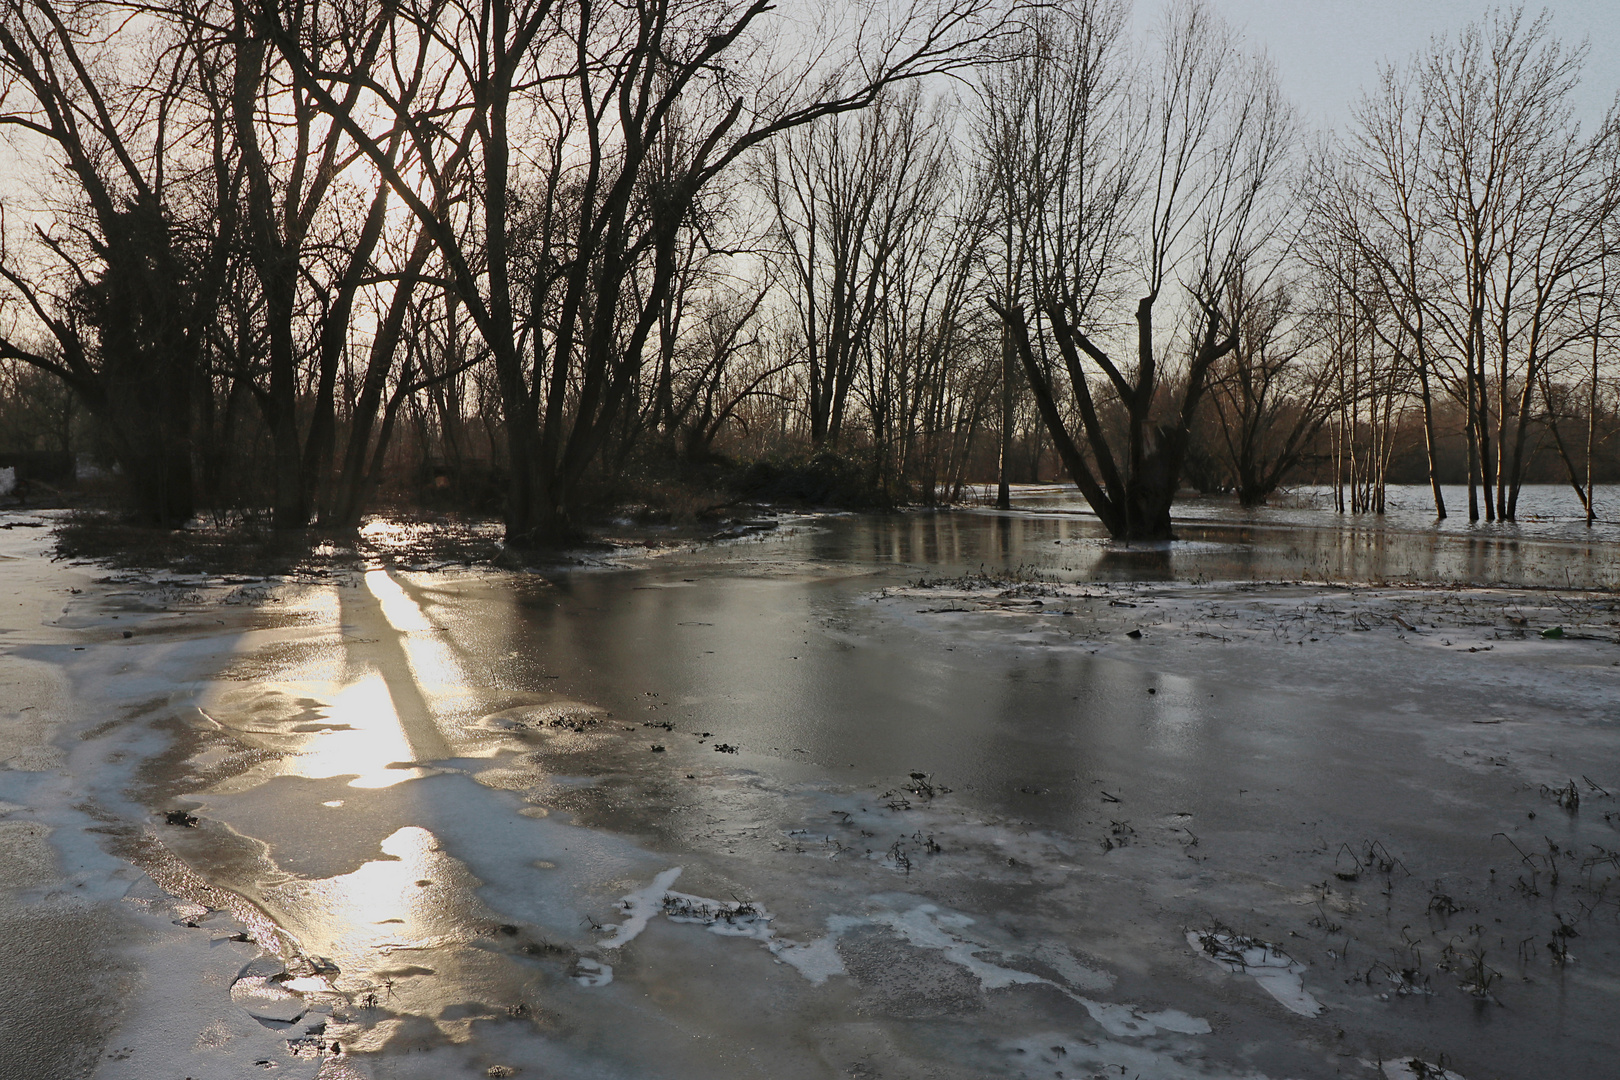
(927, 928)
(924, 927)
(724, 917)
(728, 919)
(588, 972)
(817, 960)
(1413, 1069)
(1074, 973)
(1129, 1022)
(639, 907)
(1057, 1054)
(1268, 965)
(1118, 1020)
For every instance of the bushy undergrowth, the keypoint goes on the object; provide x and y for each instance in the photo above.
(823, 479)
(675, 498)
(246, 547)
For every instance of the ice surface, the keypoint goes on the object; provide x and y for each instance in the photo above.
(1060, 1052)
(402, 612)
(1107, 795)
(260, 988)
(816, 960)
(923, 926)
(926, 927)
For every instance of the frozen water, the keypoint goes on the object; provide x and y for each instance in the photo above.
(964, 830)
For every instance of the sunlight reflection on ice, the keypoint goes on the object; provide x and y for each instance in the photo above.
(433, 663)
(369, 742)
(318, 730)
(399, 609)
(381, 907)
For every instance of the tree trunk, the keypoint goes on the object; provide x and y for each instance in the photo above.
(1429, 449)
(1004, 458)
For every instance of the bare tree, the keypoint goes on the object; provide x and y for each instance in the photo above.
(311, 224)
(1594, 313)
(1373, 216)
(123, 286)
(1368, 366)
(580, 94)
(846, 193)
(1197, 209)
(37, 411)
(932, 339)
(1053, 127)
(1270, 399)
(1522, 198)
(724, 366)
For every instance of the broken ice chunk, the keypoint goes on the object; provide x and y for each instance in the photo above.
(259, 988)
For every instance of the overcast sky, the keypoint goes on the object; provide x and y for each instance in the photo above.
(1327, 51)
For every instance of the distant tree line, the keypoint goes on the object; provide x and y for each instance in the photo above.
(257, 247)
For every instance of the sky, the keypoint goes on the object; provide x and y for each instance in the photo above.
(1327, 51)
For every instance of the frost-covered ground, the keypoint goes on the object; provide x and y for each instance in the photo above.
(852, 800)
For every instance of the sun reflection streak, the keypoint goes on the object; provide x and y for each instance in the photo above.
(366, 739)
(402, 613)
(386, 906)
(433, 662)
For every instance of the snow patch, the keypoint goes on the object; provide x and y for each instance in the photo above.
(728, 919)
(925, 927)
(1273, 969)
(639, 907)
(588, 972)
(816, 960)
(1412, 1069)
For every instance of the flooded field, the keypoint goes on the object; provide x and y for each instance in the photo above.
(953, 794)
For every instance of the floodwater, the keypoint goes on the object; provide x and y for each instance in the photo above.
(1550, 544)
(771, 809)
